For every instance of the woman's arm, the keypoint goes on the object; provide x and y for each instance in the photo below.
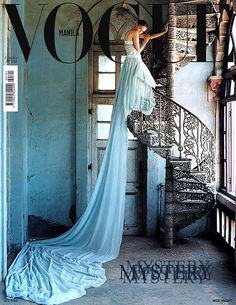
(156, 35)
(136, 36)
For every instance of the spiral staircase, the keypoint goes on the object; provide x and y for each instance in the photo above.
(174, 132)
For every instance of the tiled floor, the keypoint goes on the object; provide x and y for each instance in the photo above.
(131, 281)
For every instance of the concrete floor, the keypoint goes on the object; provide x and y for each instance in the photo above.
(216, 285)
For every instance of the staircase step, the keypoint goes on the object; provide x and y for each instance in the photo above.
(183, 164)
(192, 206)
(182, 185)
(201, 176)
(188, 211)
(191, 196)
(182, 56)
(191, 44)
(134, 126)
(192, 202)
(182, 180)
(161, 81)
(193, 30)
(184, 218)
(149, 139)
(161, 89)
(181, 21)
(163, 151)
(180, 159)
(183, 60)
(191, 191)
(159, 85)
(183, 223)
(198, 176)
(195, 211)
(184, 34)
(182, 48)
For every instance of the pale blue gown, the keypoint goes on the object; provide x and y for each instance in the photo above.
(57, 270)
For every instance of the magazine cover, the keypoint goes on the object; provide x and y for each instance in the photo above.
(118, 152)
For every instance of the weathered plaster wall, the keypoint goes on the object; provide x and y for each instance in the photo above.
(191, 90)
(17, 153)
(51, 120)
(155, 176)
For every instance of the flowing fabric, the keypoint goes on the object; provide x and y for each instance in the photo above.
(57, 270)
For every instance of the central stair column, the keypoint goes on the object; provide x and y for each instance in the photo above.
(171, 57)
(168, 209)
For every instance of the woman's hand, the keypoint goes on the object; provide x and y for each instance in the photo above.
(166, 27)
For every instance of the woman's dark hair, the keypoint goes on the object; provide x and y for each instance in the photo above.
(142, 22)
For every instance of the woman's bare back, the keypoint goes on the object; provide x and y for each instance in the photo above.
(130, 35)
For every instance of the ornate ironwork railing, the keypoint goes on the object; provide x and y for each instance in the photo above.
(171, 125)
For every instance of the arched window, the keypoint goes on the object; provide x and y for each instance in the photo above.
(106, 72)
(228, 112)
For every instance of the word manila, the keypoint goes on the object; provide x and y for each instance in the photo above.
(103, 31)
(68, 32)
(175, 271)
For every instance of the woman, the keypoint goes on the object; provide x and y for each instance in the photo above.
(135, 77)
(137, 32)
(57, 270)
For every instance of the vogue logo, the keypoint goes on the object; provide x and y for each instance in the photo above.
(49, 31)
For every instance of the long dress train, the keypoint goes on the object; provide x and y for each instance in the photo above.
(57, 270)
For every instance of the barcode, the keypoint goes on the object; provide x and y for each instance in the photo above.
(10, 94)
(10, 76)
(10, 88)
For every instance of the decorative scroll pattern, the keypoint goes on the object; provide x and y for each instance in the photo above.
(191, 136)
